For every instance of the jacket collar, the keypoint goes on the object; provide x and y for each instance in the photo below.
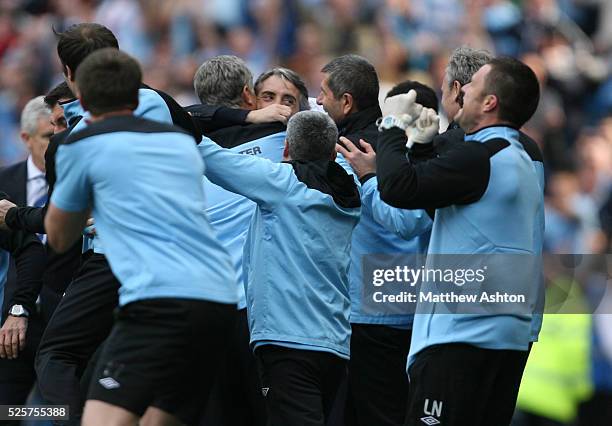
(453, 125)
(491, 132)
(73, 111)
(359, 120)
(330, 178)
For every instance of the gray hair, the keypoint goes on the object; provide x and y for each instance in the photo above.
(311, 135)
(290, 76)
(220, 81)
(463, 64)
(34, 110)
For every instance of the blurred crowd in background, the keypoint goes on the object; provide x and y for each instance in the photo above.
(568, 43)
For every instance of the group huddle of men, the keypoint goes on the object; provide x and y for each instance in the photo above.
(204, 265)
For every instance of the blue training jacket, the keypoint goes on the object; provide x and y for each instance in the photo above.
(151, 106)
(297, 252)
(507, 219)
(383, 229)
(488, 196)
(230, 214)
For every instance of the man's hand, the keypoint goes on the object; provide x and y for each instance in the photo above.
(425, 129)
(13, 336)
(362, 162)
(5, 205)
(269, 114)
(403, 106)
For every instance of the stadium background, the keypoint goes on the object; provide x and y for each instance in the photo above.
(567, 42)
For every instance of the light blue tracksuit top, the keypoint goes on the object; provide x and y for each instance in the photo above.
(150, 106)
(383, 229)
(296, 255)
(230, 214)
(508, 219)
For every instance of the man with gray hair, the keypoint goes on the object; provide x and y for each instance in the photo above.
(25, 183)
(224, 80)
(227, 83)
(224, 86)
(462, 65)
(36, 129)
(296, 260)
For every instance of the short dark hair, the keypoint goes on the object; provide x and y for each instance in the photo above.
(356, 76)
(516, 87)
(78, 41)
(109, 80)
(426, 96)
(293, 78)
(59, 92)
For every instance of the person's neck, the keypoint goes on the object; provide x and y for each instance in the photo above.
(487, 122)
(40, 165)
(118, 113)
(451, 115)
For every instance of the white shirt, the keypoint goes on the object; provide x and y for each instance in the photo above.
(36, 186)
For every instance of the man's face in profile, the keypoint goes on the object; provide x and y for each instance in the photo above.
(473, 97)
(332, 106)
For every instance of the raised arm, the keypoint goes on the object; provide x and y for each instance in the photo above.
(459, 175)
(256, 178)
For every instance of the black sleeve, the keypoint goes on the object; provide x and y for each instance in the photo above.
(16, 241)
(30, 259)
(180, 117)
(230, 116)
(459, 175)
(30, 265)
(422, 152)
(442, 142)
(210, 118)
(29, 219)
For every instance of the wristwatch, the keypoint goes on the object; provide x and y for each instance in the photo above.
(390, 121)
(19, 311)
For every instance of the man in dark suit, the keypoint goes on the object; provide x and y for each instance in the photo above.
(25, 184)
(14, 178)
(60, 268)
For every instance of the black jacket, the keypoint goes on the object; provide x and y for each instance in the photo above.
(361, 125)
(13, 182)
(435, 175)
(26, 268)
(210, 118)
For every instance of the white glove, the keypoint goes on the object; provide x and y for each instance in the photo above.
(404, 107)
(425, 129)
